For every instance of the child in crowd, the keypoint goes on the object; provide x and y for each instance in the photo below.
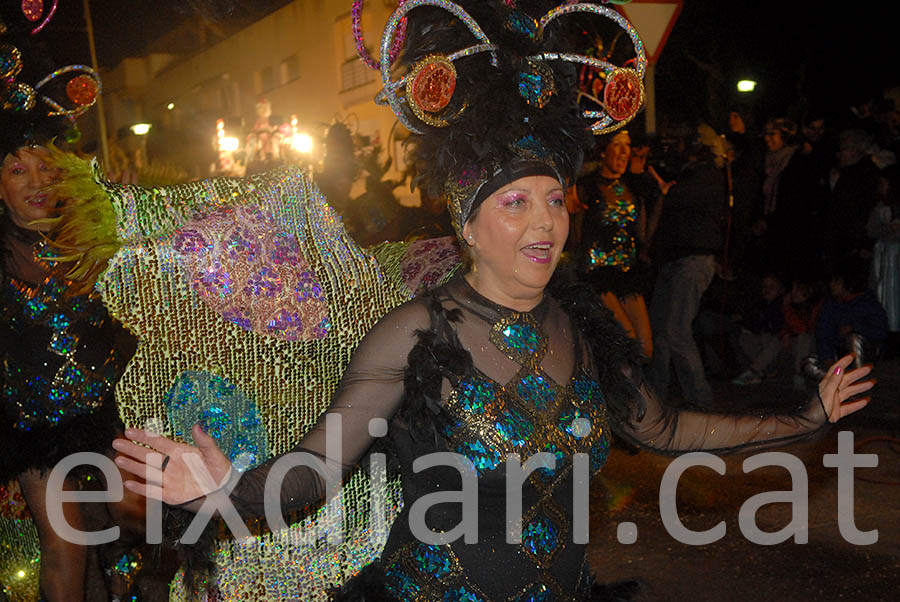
(851, 320)
(801, 309)
(759, 339)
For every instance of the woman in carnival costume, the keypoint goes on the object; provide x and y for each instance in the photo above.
(611, 233)
(504, 358)
(61, 352)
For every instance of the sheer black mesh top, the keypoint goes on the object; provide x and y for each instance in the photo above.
(454, 372)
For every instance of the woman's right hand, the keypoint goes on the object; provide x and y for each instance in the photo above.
(176, 473)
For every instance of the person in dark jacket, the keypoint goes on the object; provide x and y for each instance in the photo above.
(690, 236)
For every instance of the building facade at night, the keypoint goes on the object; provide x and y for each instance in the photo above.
(300, 58)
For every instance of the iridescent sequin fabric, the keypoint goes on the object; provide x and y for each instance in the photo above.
(75, 388)
(530, 413)
(248, 298)
(617, 213)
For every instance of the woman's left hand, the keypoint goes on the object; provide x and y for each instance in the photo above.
(838, 386)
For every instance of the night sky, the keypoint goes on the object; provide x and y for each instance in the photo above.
(804, 56)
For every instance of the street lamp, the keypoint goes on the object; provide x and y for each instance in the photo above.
(140, 129)
(746, 85)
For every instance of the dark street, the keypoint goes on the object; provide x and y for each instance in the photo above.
(826, 569)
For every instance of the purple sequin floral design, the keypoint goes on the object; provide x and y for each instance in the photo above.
(308, 288)
(215, 281)
(288, 323)
(265, 282)
(189, 241)
(427, 263)
(240, 244)
(253, 274)
(286, 250)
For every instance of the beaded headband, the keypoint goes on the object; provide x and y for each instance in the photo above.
(465, 191)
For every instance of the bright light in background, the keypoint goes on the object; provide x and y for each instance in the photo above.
(228, 144)
(140, 129)
(302, 143)
(170, 106)
(21, 574)
(746, 85)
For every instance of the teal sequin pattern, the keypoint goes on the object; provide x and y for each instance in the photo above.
(541, 537)
(401, 584)
(536, 83)
(619, 213)
(519, 336)
(224, 412)
(483, 457)
(462, 594)
(69, 379)
(433, 560)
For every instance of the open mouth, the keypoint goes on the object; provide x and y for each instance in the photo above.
(37, 200)
(539, 252)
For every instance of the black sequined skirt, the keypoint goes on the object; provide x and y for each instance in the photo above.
(44, 445)
(636, 281)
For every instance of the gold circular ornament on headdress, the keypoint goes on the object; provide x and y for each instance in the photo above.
(429, 88)
(623, 94)
(10, 61)
(17, 97)
(82, 90)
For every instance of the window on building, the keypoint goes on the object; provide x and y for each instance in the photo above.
(354, 72)
(268, 78)
(290, 69)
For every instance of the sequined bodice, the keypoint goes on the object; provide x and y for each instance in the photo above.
(609, 226)
(61, 355)
(528, 414)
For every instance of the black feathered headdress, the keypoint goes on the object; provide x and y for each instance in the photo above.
(489, 84)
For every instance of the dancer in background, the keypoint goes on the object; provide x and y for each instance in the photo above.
(612, 235)
(61, 356)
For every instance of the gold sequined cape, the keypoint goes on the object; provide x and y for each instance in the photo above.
(248, 298)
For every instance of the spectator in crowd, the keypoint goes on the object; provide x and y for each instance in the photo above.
(851, 320)
(801, 310)
(649, 186)
(745, 155)
(760, 329)
(884, 227)
(780, 148)
(853, 183)
(794, 223)
(690, 236)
